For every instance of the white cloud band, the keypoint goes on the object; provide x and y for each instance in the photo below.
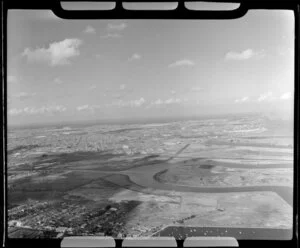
(58, 53)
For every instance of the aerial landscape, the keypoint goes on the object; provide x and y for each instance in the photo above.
(150, 128)
(139, 179)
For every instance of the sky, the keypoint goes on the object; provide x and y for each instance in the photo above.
(75, 70)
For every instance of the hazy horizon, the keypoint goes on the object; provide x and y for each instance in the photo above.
(141, 121)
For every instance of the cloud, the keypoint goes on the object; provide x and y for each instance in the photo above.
(286, 96)
(24, 95)
(37, 111)
(89, 30)
(138, 102)
(92, 87)
(117, 27)
(111, 35)
(197, 89)
(122, 86)
(88, 107)
(244, 55)
(58, 81)
(173, 92)
(119, 103)
(183, 62)
(172, 100)
(135, 56)
(158, 102)
(12, 79)
(132, 103)
(15, 112)
(83, 107)
(167, 101)
(244, 99)
(266, 97)
(46, 109)
(285, 51)
(58, 53)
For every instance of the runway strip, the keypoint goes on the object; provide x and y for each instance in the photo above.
(181, 232)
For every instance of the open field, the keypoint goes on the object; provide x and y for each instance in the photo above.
(152, 179)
